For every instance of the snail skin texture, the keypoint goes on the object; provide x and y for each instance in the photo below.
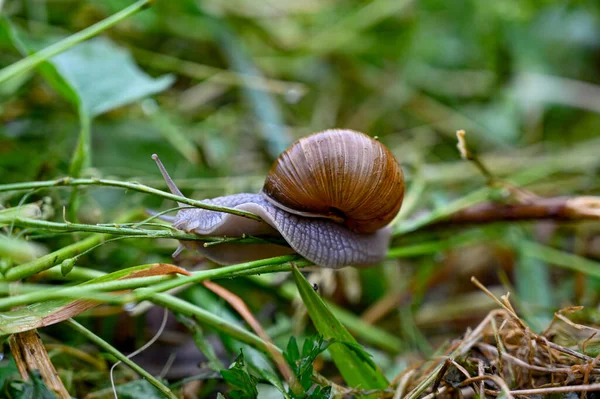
(330, 196)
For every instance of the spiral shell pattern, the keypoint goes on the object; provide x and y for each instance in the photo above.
(341, 175)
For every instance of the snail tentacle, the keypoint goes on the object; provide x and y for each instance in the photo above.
(170, 183)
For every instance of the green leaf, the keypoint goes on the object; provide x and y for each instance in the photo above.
(320, 393)
(302, 364)
(105, 76)
(138, 389)
(8, 369)
(96, 76)
(259, 365)
(201, 342)
(237, 377)
(32, 389)
(356, 370)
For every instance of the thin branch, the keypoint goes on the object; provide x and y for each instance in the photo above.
(240, 306)
(499, 381)
(538, 208)
(117, 229)
(30, 354)
(551, 390)
(68, 181)
(468, 155)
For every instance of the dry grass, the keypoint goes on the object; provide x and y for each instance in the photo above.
(502, 356)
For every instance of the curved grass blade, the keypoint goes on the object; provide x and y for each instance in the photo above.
(50, 312)
(127, 361)
(348, 355)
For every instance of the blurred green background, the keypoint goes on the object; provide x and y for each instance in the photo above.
(514, 74)
(219, 88)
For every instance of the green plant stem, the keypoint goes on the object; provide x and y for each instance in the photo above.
(54, 258)
(67, 181)
(431, 247)
(124, 231)
(276, 264)
(39, 293)
(164, 283)
(132, 232)
(207, 318)
(78, 273)
(113, 351)
(272, 265)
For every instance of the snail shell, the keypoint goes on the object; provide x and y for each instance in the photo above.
(329, 196)
(342, 175)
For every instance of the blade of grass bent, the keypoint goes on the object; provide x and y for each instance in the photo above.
(50, 312)
(113, 351)
(355, 369)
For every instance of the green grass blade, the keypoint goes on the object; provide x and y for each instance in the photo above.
(555, 257)
(371, 334)
(113, 351)
(356, 370)
(266, 109)
(32, 61)
(534, 290)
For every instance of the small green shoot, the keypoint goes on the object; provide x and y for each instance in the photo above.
(238, 378)
(302, 363)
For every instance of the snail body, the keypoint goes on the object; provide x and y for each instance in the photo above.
(329, 196)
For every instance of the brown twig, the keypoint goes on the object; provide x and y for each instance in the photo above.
(563, 209)
(240, 306)
(504, 304)
(29, 353)
(551, 390)
(403, 383)
(527, 206)
(468, 155)
(494, 378)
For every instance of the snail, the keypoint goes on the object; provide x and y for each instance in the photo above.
(330, 196)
